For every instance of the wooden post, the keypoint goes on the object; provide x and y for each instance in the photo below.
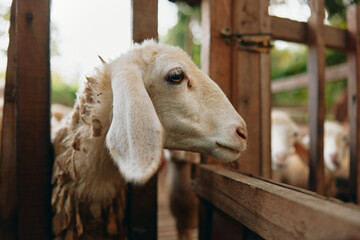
(251, 86)
(354, 99)
(26, 152)
(316, 71)
(215, 52)
(142, 201)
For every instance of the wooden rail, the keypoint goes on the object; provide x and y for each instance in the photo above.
(294, 31)
(332, 73)
(275, 211)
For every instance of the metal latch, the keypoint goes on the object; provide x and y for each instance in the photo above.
(249, 42)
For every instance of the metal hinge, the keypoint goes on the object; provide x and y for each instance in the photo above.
(249, 42)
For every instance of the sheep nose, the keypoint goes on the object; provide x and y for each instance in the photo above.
(281, 157)
(333, 157)
(242, 132)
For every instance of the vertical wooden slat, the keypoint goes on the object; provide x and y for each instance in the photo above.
(316, 71)
(142, 200)
(265, 95)
(251, 79)
(27, 105)
(8, 173)
(353, 20)
(215, 53)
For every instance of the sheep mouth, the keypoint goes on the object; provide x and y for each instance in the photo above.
(233, 150)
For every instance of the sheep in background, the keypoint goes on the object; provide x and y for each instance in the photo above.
(287, 154)
(149, 98)
(182, 198)
(284, 134)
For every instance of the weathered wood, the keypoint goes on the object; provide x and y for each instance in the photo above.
(273, 211)
(144, 20)
(8, 160)
(225, 227)
(215, 53)
(27, 105)
(142, 200)
(316, 109)
(251, 77)
(294, 31)
(354, 99)
(332, 73)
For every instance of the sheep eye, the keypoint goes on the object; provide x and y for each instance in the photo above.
(175, 77)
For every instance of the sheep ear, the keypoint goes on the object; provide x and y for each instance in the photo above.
(135, 135)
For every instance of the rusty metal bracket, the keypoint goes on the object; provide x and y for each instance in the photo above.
(249, 42)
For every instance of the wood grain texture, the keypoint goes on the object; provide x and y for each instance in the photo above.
(142, 200)
(273, 211)
(144, 20)
(251, 79)
(215, 53)
(354, 99)
(316, 109)
(27, 124)
(8, 160)
(294, 31)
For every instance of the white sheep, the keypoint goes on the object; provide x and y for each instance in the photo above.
(182, 198)
(287, 154)
(149, 98)
(284, 134)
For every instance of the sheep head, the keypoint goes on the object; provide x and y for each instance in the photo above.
(161, 99)
(284, 134)
(335, 145)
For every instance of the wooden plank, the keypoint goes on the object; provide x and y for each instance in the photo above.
(265, 95)
(316, 108)
(8, 161)
(294, 31)
(225, 227)
(354, 99)
(142, 200)
(301, 80)
(215, 53)
(144, 20)
(251, 78)
(26, 209)
(288, 30)
(273, 211)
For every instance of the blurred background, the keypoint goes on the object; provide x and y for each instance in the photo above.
(83, 29)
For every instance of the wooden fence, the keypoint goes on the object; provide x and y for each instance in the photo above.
(233, 205)
(257, 208)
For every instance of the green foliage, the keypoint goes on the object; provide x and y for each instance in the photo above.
(182, 35)
(61, 92)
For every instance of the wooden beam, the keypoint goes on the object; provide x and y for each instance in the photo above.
(251, 86)
(144, 20)
(142, 200)
(27, 105)
(354, 99)
(215, 52)
(301, 80)
(8, 160)
(294, 31)
(316, 109)
(273, 211)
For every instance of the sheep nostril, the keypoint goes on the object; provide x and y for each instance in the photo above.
(242, 133)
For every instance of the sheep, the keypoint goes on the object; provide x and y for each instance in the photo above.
(287, 154)
(182, 198)
(151, 97)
